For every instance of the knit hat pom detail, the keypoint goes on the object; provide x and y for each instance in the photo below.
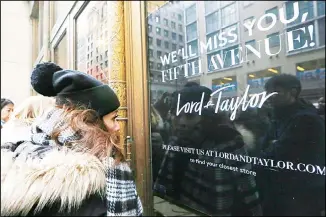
(42, 78)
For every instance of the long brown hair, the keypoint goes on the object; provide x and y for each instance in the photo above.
(94, 137)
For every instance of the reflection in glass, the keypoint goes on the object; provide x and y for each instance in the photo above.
(304, 7)
(61, 52)
(229, 15)
(211, 6)
(212, 23)
(91, 44)
(191, 31)
(274, 39)
(201, 53)
(191, 14)
(271, 11)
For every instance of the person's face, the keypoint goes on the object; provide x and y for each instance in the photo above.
(282, 98)
(6, 112)
(186, 126)
(110, 122)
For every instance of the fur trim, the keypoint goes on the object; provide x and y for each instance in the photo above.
(65, 176)
(247, 135)
(14, 131)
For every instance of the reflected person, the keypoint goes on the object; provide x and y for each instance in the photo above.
(208, 189)
(297, 135)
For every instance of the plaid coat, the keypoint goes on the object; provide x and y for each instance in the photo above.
(42, 178)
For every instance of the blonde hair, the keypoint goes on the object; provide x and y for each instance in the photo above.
(31, 108)
(94, 136)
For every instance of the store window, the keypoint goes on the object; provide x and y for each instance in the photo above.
(61, 52)
(258, 79)
(312, 76)
(229, 129)
(230, 82)
(91, 47)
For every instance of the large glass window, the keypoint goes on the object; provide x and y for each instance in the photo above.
(91, 44)
(219, 99)
(258, 79)
(230, 82)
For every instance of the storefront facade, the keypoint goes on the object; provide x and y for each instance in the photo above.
(149, 51)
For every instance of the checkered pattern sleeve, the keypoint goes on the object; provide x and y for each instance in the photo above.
(245, 183)
(121, 193)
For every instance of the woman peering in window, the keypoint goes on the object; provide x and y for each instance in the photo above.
(71, 166)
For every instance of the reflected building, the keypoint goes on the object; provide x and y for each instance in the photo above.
(165, 34)
(97, 43)
(205, 21)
